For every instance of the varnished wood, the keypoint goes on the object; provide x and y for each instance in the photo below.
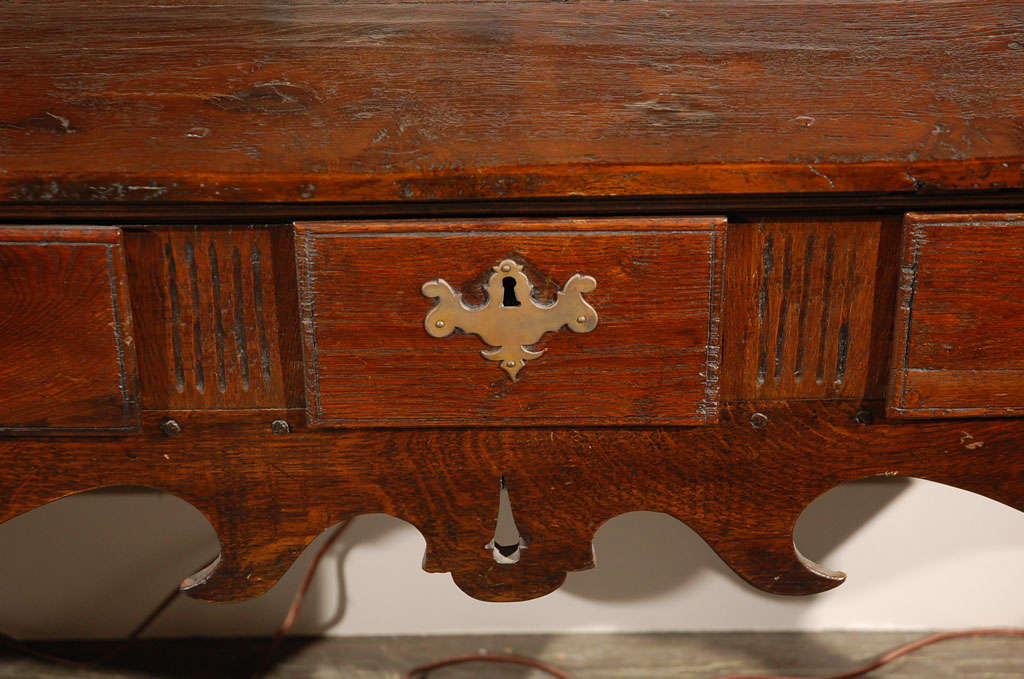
(741, 483)
(652, 359)
(809, 307)
(206, 129)
(382, 101)
(740, 487)
(67, 354)
(959, 349)
(217, 323)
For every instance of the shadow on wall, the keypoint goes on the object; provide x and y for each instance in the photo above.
(93, 565)
(115, 552)
(659, 558)
(643, 555)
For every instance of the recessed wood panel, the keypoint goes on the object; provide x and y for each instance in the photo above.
(959, 349)
(68, 355)
(217, 326)
(652, 359)
(808, 307)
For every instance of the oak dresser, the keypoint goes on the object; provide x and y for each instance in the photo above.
(299, 260)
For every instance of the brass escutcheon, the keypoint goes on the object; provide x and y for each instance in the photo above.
(510, 319)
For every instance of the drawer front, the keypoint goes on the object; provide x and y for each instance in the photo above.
(649, 355)
(959, 332)
(65, 332)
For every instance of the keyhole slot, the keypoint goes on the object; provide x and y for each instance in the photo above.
(510, 299)
(507, 545)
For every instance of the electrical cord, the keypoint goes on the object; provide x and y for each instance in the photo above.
(894, 654)
(300, 596)
(282, 631)
(139, 629)
(423, 671)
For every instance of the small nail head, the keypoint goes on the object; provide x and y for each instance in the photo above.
(170, 427)
(506, 268)
(864, 417)
(510, 364)
(581, 319)
(758, 420)
(280, 427)
(439, 324)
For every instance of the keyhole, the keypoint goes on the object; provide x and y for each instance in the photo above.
(509, 284)
(507, 545)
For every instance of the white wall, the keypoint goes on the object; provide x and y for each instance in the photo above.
(918, 556)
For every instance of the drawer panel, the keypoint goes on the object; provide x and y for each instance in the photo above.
(959, 333)
(652, 357)
(65, 332)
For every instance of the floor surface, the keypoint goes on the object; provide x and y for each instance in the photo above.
(584, 656)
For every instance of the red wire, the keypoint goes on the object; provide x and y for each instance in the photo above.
(885, 659)
(892, 655)
(112, 653)
(279, 635)
(423, 670)
(300, 596)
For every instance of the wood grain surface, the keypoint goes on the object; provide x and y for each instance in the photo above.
(740, 487)
(269, 490)
(652, 359)
(808, 307)
(394, 101)
(67, 354)
(959, 348)
(215, 310)
(817, 122)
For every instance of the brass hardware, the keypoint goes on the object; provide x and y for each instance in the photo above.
(511, 319)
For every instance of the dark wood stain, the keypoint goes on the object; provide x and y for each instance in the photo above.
(432, 139)
(66, 336)
(197, 323)
(788, 316)
(780, 339)
(370, 362)
(213, 368)
(805, 293)
(218, 322)
(740, 488)
(826, 306)
(249, 103)
(173, 295)
(767, 267)
(258, 313)
(241, 343)
(960, 325)
(715, 477)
